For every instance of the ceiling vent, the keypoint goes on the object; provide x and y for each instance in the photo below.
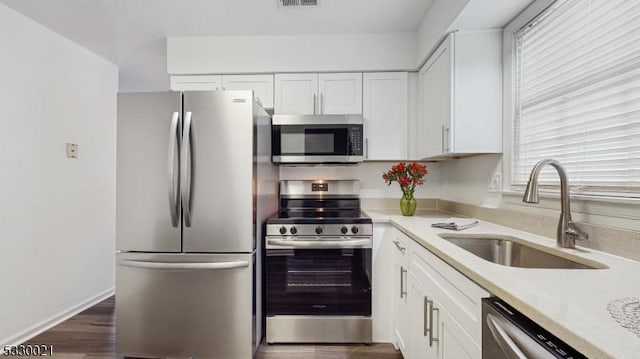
(297, 4)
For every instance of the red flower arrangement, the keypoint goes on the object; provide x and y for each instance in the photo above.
(408, 177)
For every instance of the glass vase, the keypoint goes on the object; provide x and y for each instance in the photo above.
(408, 205)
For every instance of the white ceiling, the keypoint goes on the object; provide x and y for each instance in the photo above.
(131, 33)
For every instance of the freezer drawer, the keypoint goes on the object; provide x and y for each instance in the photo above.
(185, 305)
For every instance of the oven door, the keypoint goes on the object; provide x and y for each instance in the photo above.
(316, 139)
(319, 281)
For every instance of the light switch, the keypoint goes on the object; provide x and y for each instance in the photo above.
(72, 150)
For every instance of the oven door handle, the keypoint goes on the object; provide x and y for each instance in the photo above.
(355, 243)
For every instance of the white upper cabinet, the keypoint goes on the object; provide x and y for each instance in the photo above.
(262, 86)
(196, 83)
(460, 101)
(340, 93)
(385, 111)
(307, 94)
(435, 101)
(296, 94)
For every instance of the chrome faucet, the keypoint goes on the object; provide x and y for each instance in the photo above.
(568, 231)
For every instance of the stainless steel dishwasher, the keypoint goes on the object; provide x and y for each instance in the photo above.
(508, 334)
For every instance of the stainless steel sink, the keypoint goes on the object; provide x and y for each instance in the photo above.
(509, 251)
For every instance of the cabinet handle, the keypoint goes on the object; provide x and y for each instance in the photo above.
(314, 104)
(401, 248)
(448, 138)
(321, 103)
(432, 309)
(424, 314)
(403, 292)
(442, 135)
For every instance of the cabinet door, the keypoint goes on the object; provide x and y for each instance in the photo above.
(436, 78)
(296, 94)
(261, 85)
(420, 325)
(196, 83)
(385, 111)
(340, 93)
(453, 340)
(401, 310)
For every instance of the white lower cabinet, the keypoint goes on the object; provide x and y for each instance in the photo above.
(436, 333)
(436, 310)
(382, 284)
(401, 307)
(420, 325)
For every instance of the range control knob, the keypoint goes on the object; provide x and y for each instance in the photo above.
(354, 230)
(293, 230)
(283, 230)
(344, 229)
(318, 230)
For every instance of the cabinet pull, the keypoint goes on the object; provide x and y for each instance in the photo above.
(448, 138)
(314, 104)
(321, 103)
(442, 135)
(401, 248)
(424, 314)
(432, 309)
(403, 292)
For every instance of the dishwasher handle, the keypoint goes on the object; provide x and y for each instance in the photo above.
(508, 346)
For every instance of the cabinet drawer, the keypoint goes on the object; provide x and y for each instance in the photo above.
(461, 296)
(401, 244)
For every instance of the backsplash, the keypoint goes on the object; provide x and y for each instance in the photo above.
(370, 175)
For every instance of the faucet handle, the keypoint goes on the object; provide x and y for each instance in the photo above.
(574, 232)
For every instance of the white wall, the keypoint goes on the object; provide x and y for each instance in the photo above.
(435, 25)
(57, 219)
(370, 175)
(467, 180)
(308, 53)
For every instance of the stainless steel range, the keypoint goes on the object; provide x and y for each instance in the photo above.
(318, 265)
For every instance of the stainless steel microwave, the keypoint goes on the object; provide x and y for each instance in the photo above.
(317, 139)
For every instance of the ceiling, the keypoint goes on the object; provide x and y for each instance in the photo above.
(131, 33)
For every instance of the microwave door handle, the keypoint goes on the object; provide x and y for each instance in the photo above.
(508, 346)
(173, 173)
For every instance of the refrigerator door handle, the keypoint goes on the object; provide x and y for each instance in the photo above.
(185, 169)
(184, 266)
(173, 173)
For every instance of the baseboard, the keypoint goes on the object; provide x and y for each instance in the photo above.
(56, 319)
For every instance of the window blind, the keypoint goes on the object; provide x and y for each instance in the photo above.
(577, 95)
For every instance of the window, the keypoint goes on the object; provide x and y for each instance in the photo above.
(577, 95)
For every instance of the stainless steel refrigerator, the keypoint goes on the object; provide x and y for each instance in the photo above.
(194, 186)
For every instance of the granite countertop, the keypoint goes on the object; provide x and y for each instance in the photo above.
(570, 303)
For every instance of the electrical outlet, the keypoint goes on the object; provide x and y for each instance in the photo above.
(72, 150)
(495, 184)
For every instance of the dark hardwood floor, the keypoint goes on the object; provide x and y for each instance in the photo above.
(91, 335)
